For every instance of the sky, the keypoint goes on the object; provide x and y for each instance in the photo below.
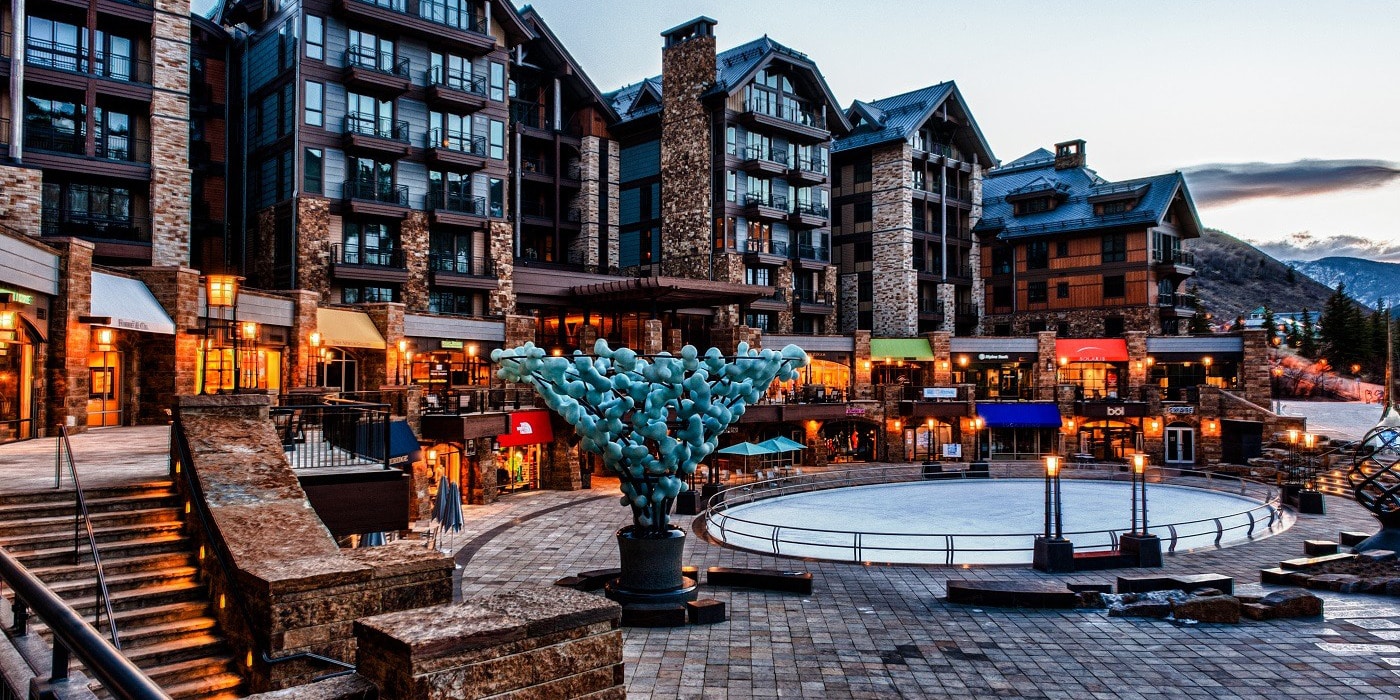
(1152, 86)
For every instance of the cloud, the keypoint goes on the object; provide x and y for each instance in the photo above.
(1219, 184)
(1303, 245)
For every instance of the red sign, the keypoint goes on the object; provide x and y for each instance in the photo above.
(1092, 350)
(527, 428)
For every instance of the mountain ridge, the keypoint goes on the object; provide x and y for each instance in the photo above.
(1234, 278)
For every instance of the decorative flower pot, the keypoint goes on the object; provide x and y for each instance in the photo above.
(651, 564)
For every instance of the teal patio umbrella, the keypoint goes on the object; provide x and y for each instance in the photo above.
(747, 449)
(781, 444)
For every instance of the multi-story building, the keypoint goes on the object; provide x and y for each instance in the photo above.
(907, 193)
(1066, 250)
(725, 176)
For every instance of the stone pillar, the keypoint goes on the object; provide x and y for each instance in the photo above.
(560, 470)
(585, 246)
(783, 282)
(21, 198)
(501, 247)
(941, 342)
(1137, 363)
(1046, 366)
(519, 330)
(612, 194)
(69, 338)
(848, 301)
(816, 446)
(687, 70)
(529, 643)
(863, 365)
(674, 342)
(413, 237)
(653, 337)
(727, 338)
(170, 134)
(380, 369)
(587, 337)
(303, 357)
(896, 284)
(313, 246)
(1254, 368)
(169, 365)
(979, 283)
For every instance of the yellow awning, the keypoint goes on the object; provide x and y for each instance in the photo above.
(900, 349)
(348, 329)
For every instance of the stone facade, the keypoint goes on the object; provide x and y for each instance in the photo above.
(21, 199)
(169, 366)
(979, 285)
(782, 277)
(687, 69)
(301, 356)
(1082, 323)
(69, 338)
(584, 246)
(170, 134)
(380, 369)
(1255, 376)
(613, 194)
(896, 303)
(413, 237)
(313, 244)
(529, 643)
(1046, 373)
(519, 330)
(848, 304)
(500, 245)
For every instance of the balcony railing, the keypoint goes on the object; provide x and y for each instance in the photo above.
(123, 148)
(451, 15)
(761, 200)
(345, 254)
(812, 165)
(102, 226)
(772, 155)
(939, 149)
(813, 252)
(461, 265)
(456, 200)
(525, 114)
(790, 113)
(811, 208)
(57, 140)
(812, 296)
(380, 127)
(930, 306)
(769, 247)
(1178, 300)
(375, 191)
(73, 58)
(457, 141)
(965, 309)
(1174, 257)
(377, 61)
(457, 80)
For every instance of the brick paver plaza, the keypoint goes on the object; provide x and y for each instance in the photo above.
(883, 631)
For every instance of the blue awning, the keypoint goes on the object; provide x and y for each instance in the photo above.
(403, 445)
(1019, 415)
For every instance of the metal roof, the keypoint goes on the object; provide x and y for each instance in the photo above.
(897, 118)
(1195, 344)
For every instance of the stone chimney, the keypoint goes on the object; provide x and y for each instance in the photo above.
(687, 70)
(1069, 154)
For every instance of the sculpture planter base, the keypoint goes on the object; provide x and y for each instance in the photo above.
(1388, 539)
(651, 570)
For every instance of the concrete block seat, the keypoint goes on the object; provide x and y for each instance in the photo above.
(1185, 582)
(1012, 593)
(765, 579)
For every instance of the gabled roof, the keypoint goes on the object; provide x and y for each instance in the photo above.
(897, 118)
(532, 19)
(630, 102)
(1080, 188)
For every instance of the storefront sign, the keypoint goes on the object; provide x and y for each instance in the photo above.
(1181, 410)
(527, 428)
(451, 345)
(1133, 409)
(940, 392)
(855, 410)
(952, 450)
(993, 356)
(18, 297)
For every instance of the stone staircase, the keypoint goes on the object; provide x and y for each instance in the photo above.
(162, 609)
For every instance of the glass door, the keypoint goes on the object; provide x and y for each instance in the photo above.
(1180, 445)
(104, 389)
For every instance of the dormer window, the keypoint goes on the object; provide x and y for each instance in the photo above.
(1035, 205)
(1118, 206)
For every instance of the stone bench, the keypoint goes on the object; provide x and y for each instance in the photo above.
(765, 579)
(1012, 593)
(1099, 559)
(1319, 548)
(1309, 562)
(1184, 582)
(1351, 539)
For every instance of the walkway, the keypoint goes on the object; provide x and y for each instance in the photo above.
(104, 457)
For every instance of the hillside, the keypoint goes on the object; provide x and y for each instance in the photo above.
(1234, 278)
(1367, 280)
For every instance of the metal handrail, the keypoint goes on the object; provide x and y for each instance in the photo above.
(122, 678)
(80, 514)
(715, 516)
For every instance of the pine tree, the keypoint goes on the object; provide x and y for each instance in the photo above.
(1341, 330)
(1291, 335)
(1290, 277)
(1270, 326)
(1198, 323)
(1307, 340)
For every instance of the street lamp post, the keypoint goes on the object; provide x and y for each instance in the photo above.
(313, 360)
(1277, 373)
(1053, 553)
(221, 294)
(1310, 501)
(1138, 547)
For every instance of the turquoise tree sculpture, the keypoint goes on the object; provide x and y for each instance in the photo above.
(651, 419)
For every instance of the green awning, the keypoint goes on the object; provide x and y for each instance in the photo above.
(900, 349)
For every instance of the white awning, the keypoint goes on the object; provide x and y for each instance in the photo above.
(127, 304)
(344, 328)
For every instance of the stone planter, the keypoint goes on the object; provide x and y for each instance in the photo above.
(651, 569)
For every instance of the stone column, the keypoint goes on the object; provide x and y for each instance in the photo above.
(941, 342)
(501, 247)
(169, 365)
(862, 369)
(170, 134)
(21, 198)
(1137, 363)
(1046, 366)
(304, 323)
(612, 193)
(587, 337)
(413, 238)
(585, 245)
(1254, 368)
(896, 284)
(69, 338)
(979, 283)
(377, 369)
(313, 245)
(560, 470)
(687, 70)
(519, 330)
(674, 342)
(653, 337)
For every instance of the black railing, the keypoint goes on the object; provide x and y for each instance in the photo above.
(525, 114)
(812, 165)
(479, 399)
(380, 127)
(1180, 300)
(377, 61)
(342, 433)
(123, 148)
(42, 138)
(1174, 256)
(540, 166)
(455, 199)
(795, 114)
(451, 15)
(819, 253)
(812, 296)
(375, 257)
(965, 309)
(375, 191)
(763, 200)
(770, 154)
(64, 223)
(460, 142)
(73, 58)
(766, 246)
(457, 80)
(62, 458)
(939, 149)
(538, 210)
(811, 208)
(461, 265)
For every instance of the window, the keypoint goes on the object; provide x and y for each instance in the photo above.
(863, 171)
(1061, 249)
(313, 171)
(1033, 206)
(1115, 248)
(726, 233)
(1001, 296)
(450, 302)
(452, 132)
(1115, 207)
(113, 135)
(731, 141)
(864, 212)
(1062, 290)
(756, 275)
(498, 139)
(1113, 286)
(497, 197)
(315, 104)
(56, 45)
(1037, 255)
(368, 295)
(368, 244)
(368, 115)
(453, 192)
(731, 186)
(54, 125)
(756, 321)
(315, 37)
(865, 287)
(116, 57)
(1035, 292)
(369, 51)
(759, 190)
(1113, 326)
(1001, 261)
(498, 81)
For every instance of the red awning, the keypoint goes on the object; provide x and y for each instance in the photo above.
(1091, 350)
(527, 428)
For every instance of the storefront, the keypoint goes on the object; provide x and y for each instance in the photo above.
(900, 360)
(932, 439)
(20, 343)
(827, 378)
(1001, 369)
(126, 320)
(451, 359)
(346, 335)
(851, 441)
(1019, 431)
(520, 452)
(247, 350)
(1097, 367)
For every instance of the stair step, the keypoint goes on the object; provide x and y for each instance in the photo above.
(64, 523)
(65, 494)
(114, 550)
(186, 648)
(143, 597)
(219, 686)
(175, 674)
(39, 509)
(87, 587)
(136, 637)
(138, 619)
(17, 545)
(112, 566)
